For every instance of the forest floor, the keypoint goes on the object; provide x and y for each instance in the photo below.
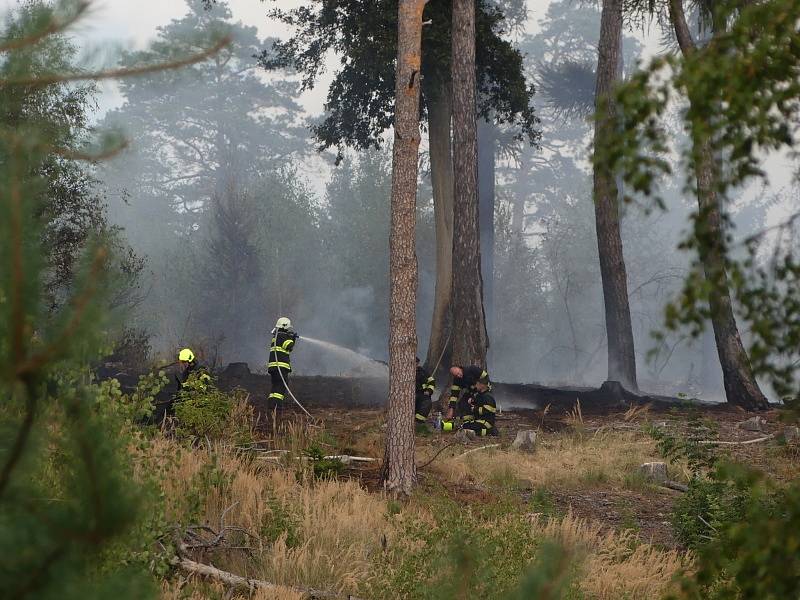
(476, 520)
(584, 464)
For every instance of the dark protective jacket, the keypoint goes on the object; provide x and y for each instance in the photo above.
(426, 384)
(201, 379)
(281, 347)
(466, 383)
(484, 408)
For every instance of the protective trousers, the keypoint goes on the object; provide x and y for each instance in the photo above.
(278, 393)
(422, 408)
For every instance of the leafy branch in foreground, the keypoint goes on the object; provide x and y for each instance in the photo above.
(65, 484)
(738, 95)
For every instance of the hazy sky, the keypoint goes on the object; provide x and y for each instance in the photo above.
(133, 23)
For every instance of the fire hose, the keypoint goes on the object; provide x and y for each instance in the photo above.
(288, 389)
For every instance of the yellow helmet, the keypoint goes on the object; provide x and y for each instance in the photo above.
(283, 323)
(186, 355)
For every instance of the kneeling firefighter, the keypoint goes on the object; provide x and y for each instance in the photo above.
(193, 376)
(424, 390)
(484, 410)
(279, 365)
(462, 392)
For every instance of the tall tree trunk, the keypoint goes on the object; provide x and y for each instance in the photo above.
(469, 324)
(440, 112)
(487, 142)
(621, 355)
(399, 470)
(741, 387)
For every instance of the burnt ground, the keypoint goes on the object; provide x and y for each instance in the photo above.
(352, 412)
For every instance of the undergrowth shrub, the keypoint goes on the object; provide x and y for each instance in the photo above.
(743, 526)
(211, 413)
(756, 555)
(321, 467)
(706, 508)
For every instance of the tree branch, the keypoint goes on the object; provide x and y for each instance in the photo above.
(46, 80)
(54, 26)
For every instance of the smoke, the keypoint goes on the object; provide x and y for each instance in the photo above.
(223, 200)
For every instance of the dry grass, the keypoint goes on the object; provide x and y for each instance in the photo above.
(329, 534)
(177, 590)
(614, 564)
(559, 460)
(332, 528)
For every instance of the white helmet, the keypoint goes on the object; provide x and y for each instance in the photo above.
(283, 323)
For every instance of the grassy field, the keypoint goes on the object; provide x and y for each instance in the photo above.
(476, 523)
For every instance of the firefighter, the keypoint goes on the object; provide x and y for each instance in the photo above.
(463, 388)
(424, 390)
(483, 409)
(193, 375)
(280, 364)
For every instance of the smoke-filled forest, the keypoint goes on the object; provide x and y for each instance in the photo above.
(399, 299)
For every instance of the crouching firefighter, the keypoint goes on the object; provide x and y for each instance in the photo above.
(484, 410)
(193, 376)
(462, 392)
(279, 365)
(422, 400)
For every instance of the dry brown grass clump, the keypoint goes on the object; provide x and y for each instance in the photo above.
(176, 590)
(319, 534)
(565, 461)
(614, 564)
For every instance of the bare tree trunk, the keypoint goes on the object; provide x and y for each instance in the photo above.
(399, 470)
(487, 142)
(741, 387)
(621, 355)
(469, 323)
(439, 115)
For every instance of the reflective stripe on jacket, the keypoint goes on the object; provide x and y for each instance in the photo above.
(280, 349)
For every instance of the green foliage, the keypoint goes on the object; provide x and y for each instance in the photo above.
(280, 522)
(138, 405)
(755, 554)
(549, 577)
(364, 34)
(699, 457)
(202, 410)
(742, 525)
(323, 468)
(481, 553)
(708, 507)
(742, 88)
(67, 500)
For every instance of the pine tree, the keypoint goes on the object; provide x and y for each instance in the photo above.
(65, 487)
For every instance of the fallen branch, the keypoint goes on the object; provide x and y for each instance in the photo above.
(674, 485)
(195, 537)
(237, 581)
(345, 458)
(721, 443)
(707, 524)
(476, 449)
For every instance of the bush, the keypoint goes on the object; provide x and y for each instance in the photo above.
(202, 412)
(706, 509)
(756, 554)
(324, 468)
